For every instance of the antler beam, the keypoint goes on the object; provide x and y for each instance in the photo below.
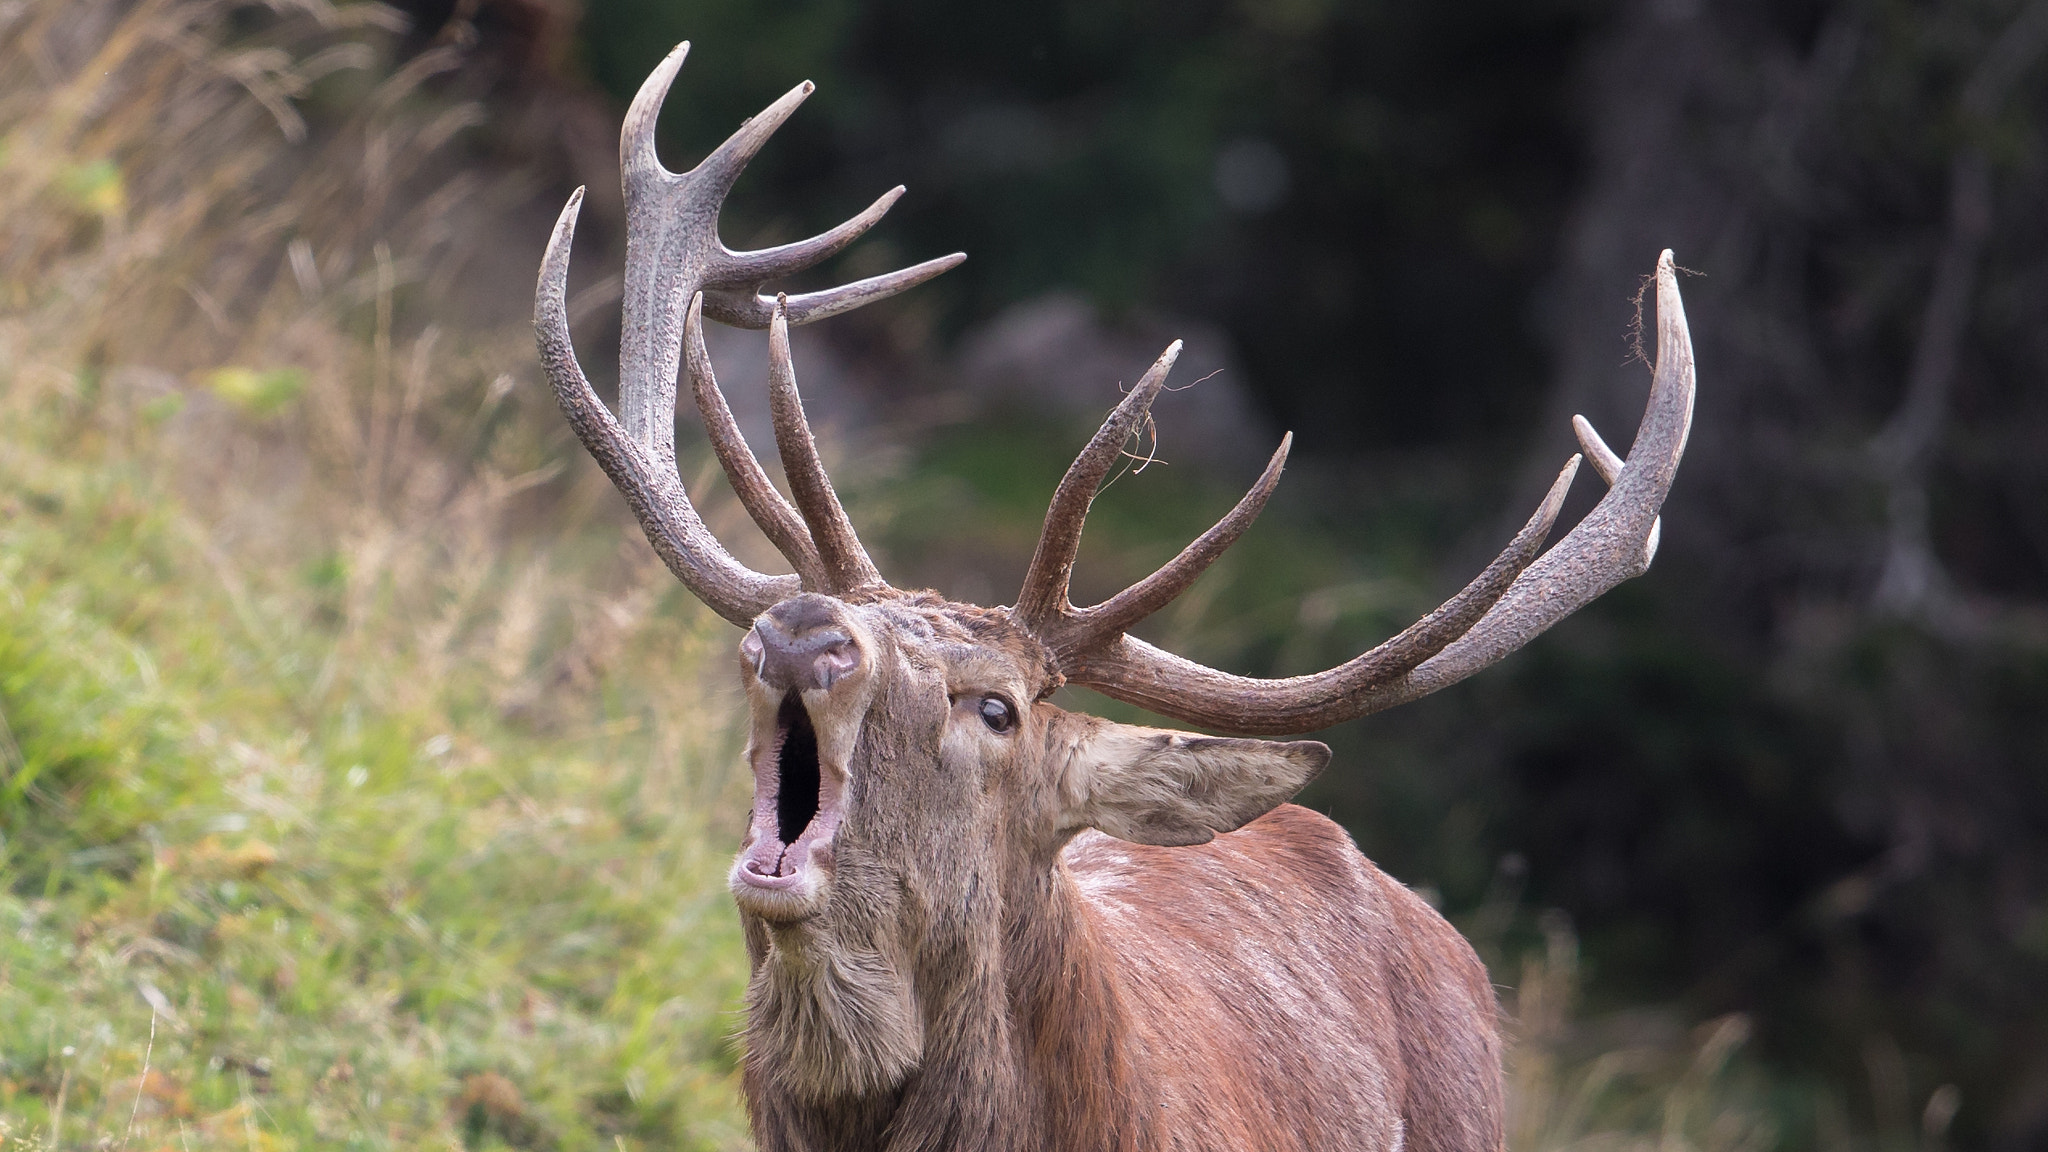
(1517, 597)
(677, 270)
(845, 562)
(771, 511)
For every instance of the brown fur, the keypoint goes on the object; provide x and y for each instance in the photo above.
(986, 970)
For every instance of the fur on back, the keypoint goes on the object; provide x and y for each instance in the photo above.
(1272, 976)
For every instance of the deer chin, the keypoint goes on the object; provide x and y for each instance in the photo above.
(784, 869)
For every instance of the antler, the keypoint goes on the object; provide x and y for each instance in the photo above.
(1513, 601)
(676, 270)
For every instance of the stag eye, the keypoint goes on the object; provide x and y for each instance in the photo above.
(997, 714)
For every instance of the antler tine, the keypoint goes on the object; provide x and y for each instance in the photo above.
(1137, 673)
(1043, 599)
(846, 563)
(734, 279)
(716, 173)
(783, 259)
(776, 518)
(650, 483)
(1618, 538)
(673, 251)
(637, 153)
(1435, 632)
(1511, 603)
(1112, 616)
(658, 246)
(1605, 462)
(1608, 465)
(753, 310)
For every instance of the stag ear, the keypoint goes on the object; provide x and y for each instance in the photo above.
(1152, 786)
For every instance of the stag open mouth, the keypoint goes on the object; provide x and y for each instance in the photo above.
(797, 809)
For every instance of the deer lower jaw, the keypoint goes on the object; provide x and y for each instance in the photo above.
(785, 882)
(785, 862)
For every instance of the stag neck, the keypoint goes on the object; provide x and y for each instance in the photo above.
(966, 1088)
(1027, 1040)
(1080, 1061)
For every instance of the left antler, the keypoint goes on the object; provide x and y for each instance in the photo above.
(1514, 600)
(677, 269)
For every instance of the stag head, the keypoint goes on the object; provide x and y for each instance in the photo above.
(912, 781)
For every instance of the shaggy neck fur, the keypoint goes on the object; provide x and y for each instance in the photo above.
(1004, 1034)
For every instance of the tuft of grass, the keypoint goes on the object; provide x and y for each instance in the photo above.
(1638, 1083)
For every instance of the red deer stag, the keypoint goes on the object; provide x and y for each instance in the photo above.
(978, 921)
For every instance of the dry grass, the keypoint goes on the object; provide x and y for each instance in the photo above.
(1645, 1086)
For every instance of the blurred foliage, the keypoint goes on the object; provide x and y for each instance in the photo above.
(258, 393)
(1350, 189)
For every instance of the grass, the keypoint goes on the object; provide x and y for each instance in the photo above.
(364, 781)
(350, 796)
(243, 922)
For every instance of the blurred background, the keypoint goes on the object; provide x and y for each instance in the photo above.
(365, 781)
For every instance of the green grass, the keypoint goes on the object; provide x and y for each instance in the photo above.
(348, 922)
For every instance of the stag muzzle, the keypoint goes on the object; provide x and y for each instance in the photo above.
(800, 646)
(808, 689)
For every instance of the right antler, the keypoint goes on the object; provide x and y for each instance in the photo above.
(1513, 601)
(677, 270)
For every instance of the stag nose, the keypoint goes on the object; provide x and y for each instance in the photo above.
(794, 647)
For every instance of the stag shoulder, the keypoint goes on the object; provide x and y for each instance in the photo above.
(1282, 983)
